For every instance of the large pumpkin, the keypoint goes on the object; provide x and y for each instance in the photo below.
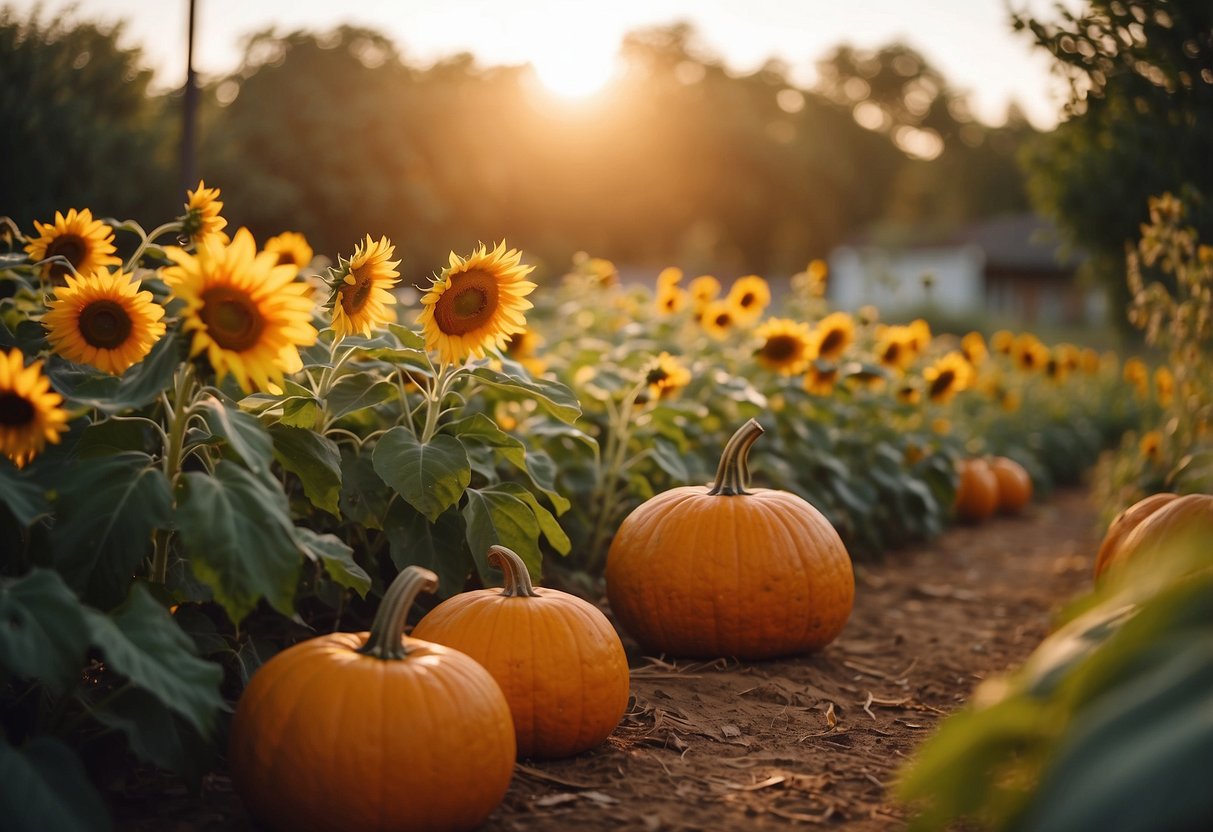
(1014, 484)
(358, 731)
(557, 658)
(977, 491)
(1125, 522)
(1191, 514)
(703, 571)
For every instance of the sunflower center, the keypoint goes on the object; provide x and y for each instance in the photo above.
(468, 304)
(747, 300)
(832, 341)
(891, 352)
(781, 348)
(232, 318)
(70, 247)
(942, 383)
(354, 298)
(723, 320)
(104, 324)
(287, 258)
(15, 411)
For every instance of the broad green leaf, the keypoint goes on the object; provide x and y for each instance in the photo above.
(547, 521)
(669, 459)
(156, 734)
(111, 436)
(141, 641)
(44, 787)
(495, 517)
(298, 407)
(415, 359)
(552, 396)
(244, 434)
(407, 337)
(440, 546)
(315, 459)
(45, 635)
(364, 494)
(541, 470)
(239, 538)
(480, 428)
(336, 557)
(23, 499)
(431, 477)
(358, 391)
(107, 510)
(138, 386)
(300, 412)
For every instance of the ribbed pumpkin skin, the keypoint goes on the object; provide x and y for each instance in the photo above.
(755, 575)
(327, 739)
(977, 492)
(1189, 514)
(1124, 523)
(557, 658)
(1014, 484)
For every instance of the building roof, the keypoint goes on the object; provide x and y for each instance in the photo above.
(1019, 242)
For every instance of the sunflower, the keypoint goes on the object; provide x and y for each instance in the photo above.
(30, 415)
(894, 348)
(1136, 373)
(787, 346)
(246, 312)
(703, 290)
(522, 347)
(1029, 352)
(920, 335)
(1090, 361)
(361, 288)
(103, 320)
(292, 249)
(820, 378)
(974, 348)
(86, 243)
(718, 319)
(671, 299)
(202, 221)
(665, 376)
(749, 296)
(818, 273)
(908, 393)
(947, 377)
(1150, 445)
(1055, 368)
(1003, 342)
(477, 302)
(835, 332)
(1164, 386)
(669, 276)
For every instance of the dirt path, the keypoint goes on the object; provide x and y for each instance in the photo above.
(809, 741)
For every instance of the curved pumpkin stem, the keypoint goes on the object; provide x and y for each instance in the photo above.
(517, 578)
(387, 630)
(733, 473)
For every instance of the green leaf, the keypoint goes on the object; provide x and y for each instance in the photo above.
(107, 510)
(669, 459)
(141, 641)
(358, 391)
(245, 435)
(431, 477)
(315, 459)
(138, 386)
(480, 428)
(440, 546)
(43, 786)
(541, 470)
(239, 538)
(109, 437)
(23, 499)
(552, 396)
(336, 557)
(44, 635)
(157, 735)
(548, 523)
(364, 494)
(496, 517)
(407, 337)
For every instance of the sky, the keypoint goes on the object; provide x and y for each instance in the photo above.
(572, 43)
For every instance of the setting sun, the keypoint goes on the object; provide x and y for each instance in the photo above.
(575, 73)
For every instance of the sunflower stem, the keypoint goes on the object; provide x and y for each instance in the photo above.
(146, 241)
(386, 640)
(433, 403)
(612, 465)
(178, 415)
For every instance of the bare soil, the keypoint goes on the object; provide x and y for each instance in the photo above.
(812, 741)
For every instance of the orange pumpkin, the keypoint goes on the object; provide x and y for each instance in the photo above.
(557, 658)
(1186, 515)
(1014, 484)
(725, 571)
(1125, 522)
(358, 731)
(977, 491)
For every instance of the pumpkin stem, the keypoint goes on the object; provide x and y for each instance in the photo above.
(387, 630)
(517, 578)
(733, 473)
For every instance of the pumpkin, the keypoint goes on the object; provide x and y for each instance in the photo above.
(701, 571)
(1125, 522)
(372, 731)
(1191, 514)
(1014, 484)
(556, 657)
(977, 491)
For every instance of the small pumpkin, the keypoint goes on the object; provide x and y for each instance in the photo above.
(372, 731)
(1014, 484)
(701, 571)
(977, 491)
(557, 658)
(1125, 522)
(1184, 515)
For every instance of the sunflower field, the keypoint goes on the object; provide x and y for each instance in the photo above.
(214, 447)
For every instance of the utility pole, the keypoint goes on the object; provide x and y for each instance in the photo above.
(189, 150)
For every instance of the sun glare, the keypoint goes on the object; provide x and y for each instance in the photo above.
(574, 73)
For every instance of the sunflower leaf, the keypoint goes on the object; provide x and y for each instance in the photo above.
(481, 429)
(358, 391)
(336, 557)
(43, 785)
(497, 517)
(364, 495)
(138, 386)
(548, 524)
(238, 535)
(313, 458)
(244, 434)
(156, 734)
(440, 546)
(431, 477)
(552, 396)
(107, 511)
(23, 499)
(45, 635)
